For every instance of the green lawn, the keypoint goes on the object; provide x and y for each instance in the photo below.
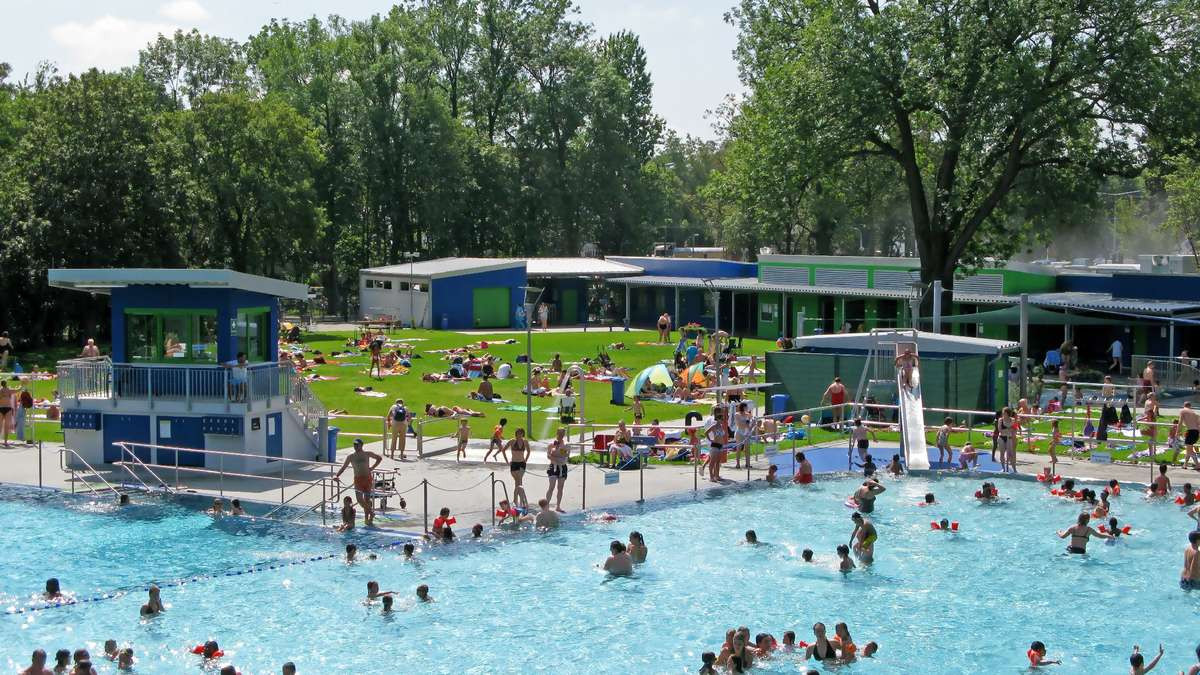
(339, 394)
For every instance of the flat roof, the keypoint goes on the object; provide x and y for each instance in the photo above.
(750, 284)
(444, 267)
(926, 342)
(104, 280)
(890, 261)
(578, 267)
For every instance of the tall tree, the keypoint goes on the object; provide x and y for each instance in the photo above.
(188, 65)
(969, 99)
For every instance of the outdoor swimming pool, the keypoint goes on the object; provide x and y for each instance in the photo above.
(935, 602)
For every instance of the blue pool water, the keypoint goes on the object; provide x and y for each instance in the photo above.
(936, 603)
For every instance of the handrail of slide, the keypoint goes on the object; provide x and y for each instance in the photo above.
(912, 416)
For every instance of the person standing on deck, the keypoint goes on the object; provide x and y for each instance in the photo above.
(836, 394)
(361, 461)
(397, 418)
(1116, 350)
(1191, 422)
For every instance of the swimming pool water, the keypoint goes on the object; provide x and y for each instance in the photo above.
(529, 602)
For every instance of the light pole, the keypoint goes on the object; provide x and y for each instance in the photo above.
(529, 358)
(411, 257)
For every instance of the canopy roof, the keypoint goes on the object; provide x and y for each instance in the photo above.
(926, 342)
(1037, 317)
(104, 280)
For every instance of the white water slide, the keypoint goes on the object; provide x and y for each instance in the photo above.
(912, 414)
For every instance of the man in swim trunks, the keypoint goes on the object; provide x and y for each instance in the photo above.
(1079, 533)
(361, 461)
(863, 538)
(836, 393)
(804, 470)
(865, 495)
(905, 363)
(664, 328)
(1189, 579)
(1190, 420)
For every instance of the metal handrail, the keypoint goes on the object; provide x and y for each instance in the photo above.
(126, 451)
(90, 468)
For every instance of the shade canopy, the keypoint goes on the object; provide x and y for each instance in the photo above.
(655, 374)
(1037, 317)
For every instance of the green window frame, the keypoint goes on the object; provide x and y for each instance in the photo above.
(252, 331)
(170, 335)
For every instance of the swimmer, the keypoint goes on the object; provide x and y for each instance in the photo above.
(477, 530)
(821, 648)
(1137, 661)
(764, 644)
(1189, 579)
(210, 650)
(423, 594)
(868, 467)
(618, 563)
(772, 474)
(351, 553)
(154, 604)
(751, 538)
(1068, 489)
(547, 517)
(348, 515)
(374, 593)
(637, 547)
(708, 659)
(944, 525)
(1079, 534)
(1037, 655)
(1195, 669)
(844, 643)
(869, 649)
(236, 508)
(1189, 496)
(987, 493)
(387, 604)
(789, 641)
(930, 500)
(804, 470)
(865, 495)
(289, 668)
(53, 590)
(863, 538)
(409, 550)
(110, 649)
(846, 563)
(1162, 485)
(1114, 488)
(37, 664)
(895, 468)
(806, 555)
(217, 509)
(125, 659)
(443, 521)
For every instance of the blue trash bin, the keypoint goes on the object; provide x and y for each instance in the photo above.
(331, 449)
(618, 391)
(445, 322)
(780, 403)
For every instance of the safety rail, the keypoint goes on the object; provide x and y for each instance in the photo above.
(418, 424)
(125, 451)
(99, 378)
(1177, 373)
(75, 474)
(305, 405)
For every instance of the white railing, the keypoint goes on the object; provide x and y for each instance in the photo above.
(305, 405)
(1169, 373)
(100, 378)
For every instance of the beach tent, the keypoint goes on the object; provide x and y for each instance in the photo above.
(656, 374)
(695, 375)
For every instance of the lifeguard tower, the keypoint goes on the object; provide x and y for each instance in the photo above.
(173, 380)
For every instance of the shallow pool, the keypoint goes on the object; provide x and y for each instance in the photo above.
(935, 602)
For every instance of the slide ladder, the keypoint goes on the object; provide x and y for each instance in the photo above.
(912, 415)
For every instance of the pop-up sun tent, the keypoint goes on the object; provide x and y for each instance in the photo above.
(655, 374)
(695, 375)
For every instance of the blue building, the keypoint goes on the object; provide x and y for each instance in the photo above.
(172, 378)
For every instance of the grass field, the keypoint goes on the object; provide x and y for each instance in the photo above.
(352, 372)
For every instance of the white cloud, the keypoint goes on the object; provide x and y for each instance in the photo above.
(107, 43)
(184, 11)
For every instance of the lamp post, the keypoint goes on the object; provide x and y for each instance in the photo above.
(411, 257)
(529, 358)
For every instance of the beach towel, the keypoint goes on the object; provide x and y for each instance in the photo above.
(372, 394)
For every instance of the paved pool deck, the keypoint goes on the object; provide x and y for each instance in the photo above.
(466, 486)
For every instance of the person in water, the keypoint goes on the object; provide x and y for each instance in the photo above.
(1189, 579)
(863, 538)
(1079, 534)
(1037, 655)
(864, 496)
(845, 563)
(821, 648)
(1137, 662)
(804, 470)
(618, 563)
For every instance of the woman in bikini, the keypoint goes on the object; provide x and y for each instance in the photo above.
(557, 453)
(519, 458)
(821, 648)
(7, 405)
(1151, 430)
(1079, 533)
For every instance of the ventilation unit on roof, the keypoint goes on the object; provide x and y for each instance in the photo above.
(1167, 264)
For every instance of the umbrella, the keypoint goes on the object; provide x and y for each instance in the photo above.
(695, 374)
(656, 374)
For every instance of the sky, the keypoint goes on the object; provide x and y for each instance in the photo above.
(688, 45)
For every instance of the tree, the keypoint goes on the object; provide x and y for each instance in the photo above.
(971, 101)
(1183, 200)
(248, 167)
(187, 65)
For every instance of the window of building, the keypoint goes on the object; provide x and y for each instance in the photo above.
(768, 312)
(169, 335)
(368, 283)
(403, 285)
(252, 332)
(386, 284)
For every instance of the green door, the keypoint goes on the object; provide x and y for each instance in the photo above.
(570, 307)
(491, 307)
